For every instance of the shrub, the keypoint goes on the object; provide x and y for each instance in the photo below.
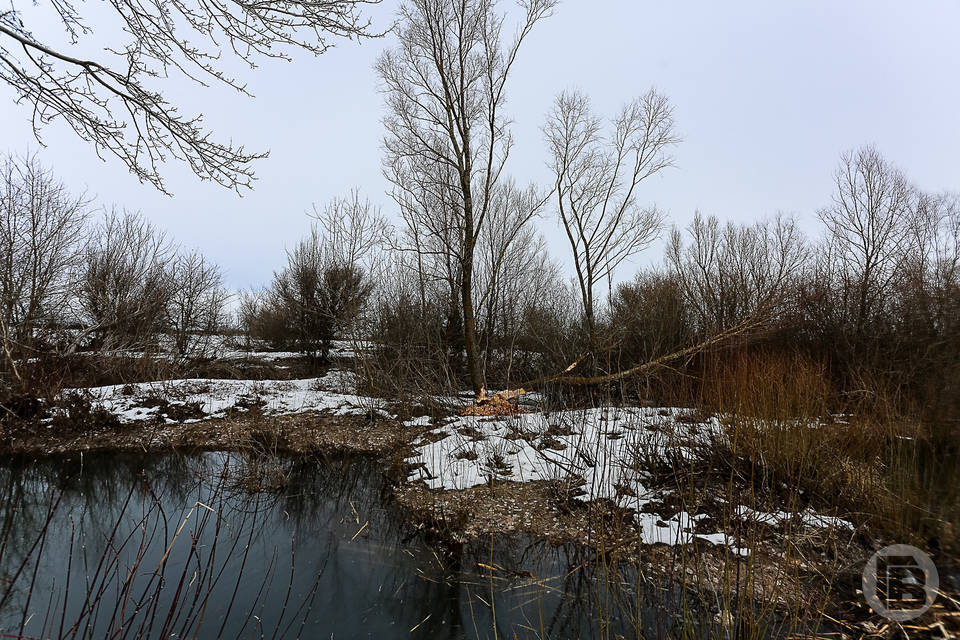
(648, 318)
(409, 356)
(125, 286)
(76, 411)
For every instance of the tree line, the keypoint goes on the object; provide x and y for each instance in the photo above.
(72, 279)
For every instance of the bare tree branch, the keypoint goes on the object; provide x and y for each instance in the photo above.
(110, 103)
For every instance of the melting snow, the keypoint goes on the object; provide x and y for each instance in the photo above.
(332, 393)
(601, 446)
(604, 451)
(807, 518)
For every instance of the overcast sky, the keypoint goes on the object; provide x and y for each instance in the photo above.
(766, 94)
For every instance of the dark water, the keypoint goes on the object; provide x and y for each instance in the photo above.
(172, 546)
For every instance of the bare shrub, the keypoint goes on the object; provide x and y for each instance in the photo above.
(551, 333)
(317, 298)
(195, 306)
(125, 287)
(769, 384)
(77, 411)
(260, 320)
(648, 318)
(408, 359)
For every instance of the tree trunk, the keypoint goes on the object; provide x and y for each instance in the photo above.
(592, 339)
(469, 318)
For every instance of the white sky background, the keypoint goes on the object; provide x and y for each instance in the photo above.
(766, 94)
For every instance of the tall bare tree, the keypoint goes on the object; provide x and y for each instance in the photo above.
(867, 224)
(112, 103)
(445, 86)
(597, 177)
(41, 242)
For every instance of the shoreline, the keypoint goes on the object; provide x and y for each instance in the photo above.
(544, 510)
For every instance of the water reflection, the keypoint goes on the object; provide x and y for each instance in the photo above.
(185, 546)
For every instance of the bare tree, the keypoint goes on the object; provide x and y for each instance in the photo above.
(445, 86)
(125, 285)
(867, 224)
(196, 304)
(729, 274)
(41, 241)
(596, 184)
(111, 103)
(328, 278)
(353, 229)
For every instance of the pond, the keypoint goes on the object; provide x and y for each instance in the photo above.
(230, 545)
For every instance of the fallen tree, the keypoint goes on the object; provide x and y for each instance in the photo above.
(500, 402)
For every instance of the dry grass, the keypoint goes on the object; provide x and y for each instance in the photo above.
(856, 453)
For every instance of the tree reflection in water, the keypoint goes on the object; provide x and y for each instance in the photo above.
(171, 545)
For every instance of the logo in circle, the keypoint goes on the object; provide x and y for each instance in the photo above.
(900, 582)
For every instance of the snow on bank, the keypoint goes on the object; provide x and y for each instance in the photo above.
(601, 446)
(604, 452)
(807, 518)
(214, 397)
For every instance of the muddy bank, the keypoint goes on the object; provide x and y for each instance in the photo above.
(298, 434)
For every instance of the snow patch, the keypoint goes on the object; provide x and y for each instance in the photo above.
(214, 397)
(602, 451)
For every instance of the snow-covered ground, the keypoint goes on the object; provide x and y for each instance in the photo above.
(602, 451)
(334, 392)
(601, 446)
